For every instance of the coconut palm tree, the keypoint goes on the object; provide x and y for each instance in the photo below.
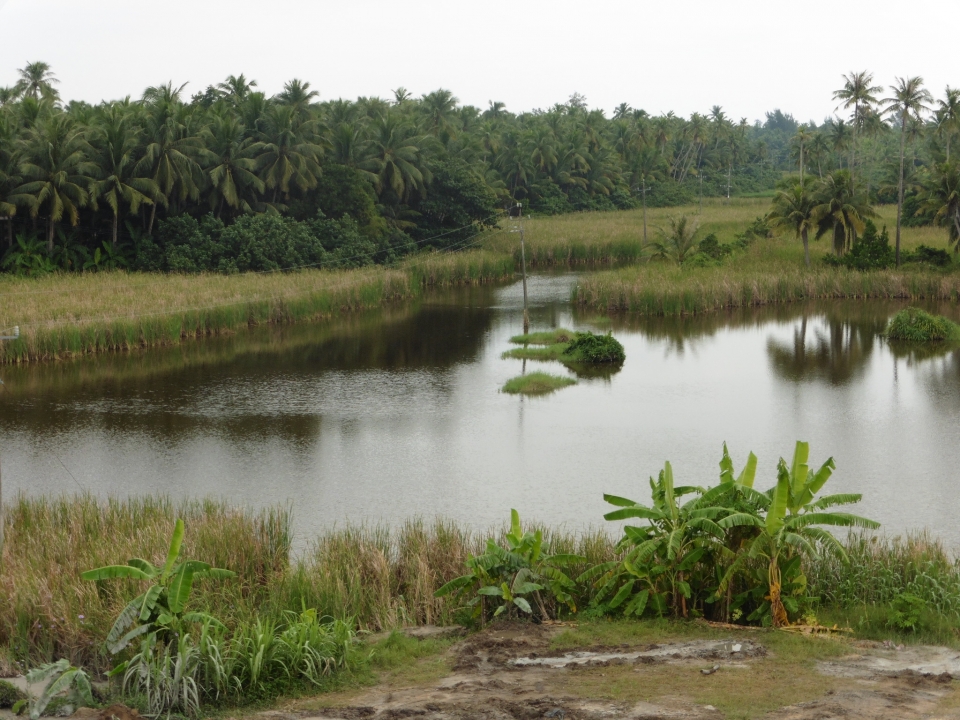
(858, 93)
(37, 81)
(232, 171)
(396, 158)
(288, 152)
(236, 88)
(116, 142)
(840, 209)
(679, 243)
(948, 116)
(803, 136)
(171, 150)
(57, 171)
(908, 101)
(794, 209)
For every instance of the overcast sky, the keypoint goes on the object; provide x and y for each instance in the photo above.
(749, 56)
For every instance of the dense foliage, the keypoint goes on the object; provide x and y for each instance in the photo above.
(592, 348)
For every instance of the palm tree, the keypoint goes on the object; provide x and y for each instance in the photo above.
(232, 172)
(57, 171)
(818, 150)
(858, 93)
(948, 116)
(236, 88)
(171, 154)
(396, 158)
(794, 209)
(115, 142)
(37, 81)
(908, 101)
(288, 152)
(941, 196)
(840, 209)
(439, 108)
(840, 138)
(298, 95)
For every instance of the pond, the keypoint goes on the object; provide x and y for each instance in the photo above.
(387, 415)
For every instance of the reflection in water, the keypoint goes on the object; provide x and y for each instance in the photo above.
(831, 348)
(386, 415)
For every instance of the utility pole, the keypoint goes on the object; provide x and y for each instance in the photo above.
(643, 178)
(523, 267)
(16, 335)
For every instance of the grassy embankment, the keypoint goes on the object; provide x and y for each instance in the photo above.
(768, 271)
(536, 383)
(379, 578)
(65, 315)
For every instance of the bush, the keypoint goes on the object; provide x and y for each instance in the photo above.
(587, 347)
(928, 255)
(872, 251)
(906, 612)
(711, 247)
(914, 325)
(10, 694)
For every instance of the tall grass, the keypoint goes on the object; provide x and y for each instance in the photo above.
(378, 577)
(61, 316)
(881, 568)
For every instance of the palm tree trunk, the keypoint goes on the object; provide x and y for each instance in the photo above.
(777, 611)
(729, 177)
(115, 231)
(801, 163)
(644, 210)
(806, 246)
(153, 214)
(50, 228)
(9, 232)
(903, 141)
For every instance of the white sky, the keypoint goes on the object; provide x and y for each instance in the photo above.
(749, 56)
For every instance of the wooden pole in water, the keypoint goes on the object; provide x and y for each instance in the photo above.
(523, 266)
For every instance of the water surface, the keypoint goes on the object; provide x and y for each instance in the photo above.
(393, 414)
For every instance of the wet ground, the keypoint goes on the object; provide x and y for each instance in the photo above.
(509, 672)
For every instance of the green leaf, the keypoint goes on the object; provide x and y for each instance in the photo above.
(516, 533)
(124, 620)
(637, 511)
(144, 566)
(523, 605)
(778, 506)
(749, 472)
(566, 559)
(638, 604)
(495, 590)
(120, 644)
(149, 602)
(526, 588)
(622, 594)
(175, 542)
(799, 469)
(202, 617)
(455, 584)
(180, 587)
(115, 572)
(726, 467)
(619, 501)
(668, 495)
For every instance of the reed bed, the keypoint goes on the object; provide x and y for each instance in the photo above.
(62, 316)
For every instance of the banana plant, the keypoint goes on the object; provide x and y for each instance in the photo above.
(661, 556)
(785, 522)
(517, 575)
(163, 606)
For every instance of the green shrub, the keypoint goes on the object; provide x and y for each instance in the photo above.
(10, 694)
(906, 611)
(591, 348)
(928, 255)
(915, 325)
(711, 247)
(872, 251)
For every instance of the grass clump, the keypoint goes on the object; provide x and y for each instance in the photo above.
(915, 325)
(568, 347)
(537, 383)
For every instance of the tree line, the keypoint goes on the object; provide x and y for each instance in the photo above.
(122, 182)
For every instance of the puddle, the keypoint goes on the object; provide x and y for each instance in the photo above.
(701, 650)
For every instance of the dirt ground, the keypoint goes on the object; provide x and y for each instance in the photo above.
(516, 671)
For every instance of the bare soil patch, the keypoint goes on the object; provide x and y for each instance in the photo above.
(513, 671)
